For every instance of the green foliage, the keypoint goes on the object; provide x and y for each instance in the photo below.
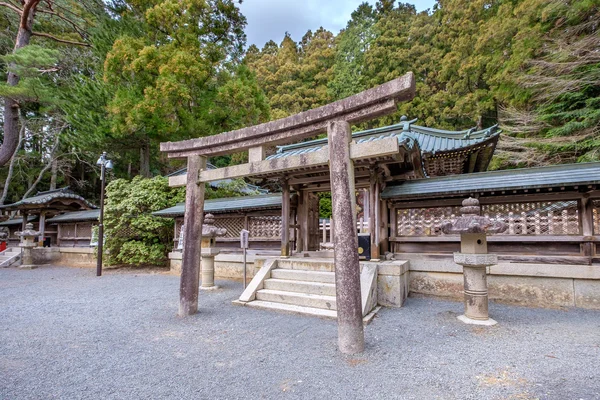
(471, 60)
(181, 78)
(325, 205)
(295, 76)
(133, 235)
(232, 188)
(32, 64)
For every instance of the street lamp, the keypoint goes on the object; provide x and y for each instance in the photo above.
(104, 164)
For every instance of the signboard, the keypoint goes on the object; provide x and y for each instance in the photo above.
(244, 239)
(94, 240)
(180, 240)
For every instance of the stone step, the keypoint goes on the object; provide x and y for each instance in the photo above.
(299, 299)
(6, 261)
(283, 285)
(300, 275)
(292, 308)
(307, 264)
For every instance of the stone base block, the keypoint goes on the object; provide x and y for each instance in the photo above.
(28, 266)
(392, 283)
(441, 284)
(530, 291)
(467, 320)
(209, 288)
(227, 266)
(587, 293)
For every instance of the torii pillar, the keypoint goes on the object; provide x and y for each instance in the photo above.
(351, 339)
(192, 220)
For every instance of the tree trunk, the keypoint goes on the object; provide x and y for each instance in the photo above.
(44, 170)
(11, 167)
(145, 159)
(54, 174)
(11, 107)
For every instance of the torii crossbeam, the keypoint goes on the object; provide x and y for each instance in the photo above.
(335, 119)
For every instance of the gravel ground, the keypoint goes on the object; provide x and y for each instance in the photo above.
(66, 334)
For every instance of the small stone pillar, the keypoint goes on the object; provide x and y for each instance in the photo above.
(27, 244)
(474, 258)
(209, 251)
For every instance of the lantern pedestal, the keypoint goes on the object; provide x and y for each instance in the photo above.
(27, 244)
(209, 233)
(474, 258)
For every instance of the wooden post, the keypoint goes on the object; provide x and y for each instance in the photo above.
(374, 221)
(347, 269)
(42, 227)
(304, 226)
(299, 213)
(285, 218)
(586, 221)
(25, 215)
(193, 219)
(393, 213)
(384, 239)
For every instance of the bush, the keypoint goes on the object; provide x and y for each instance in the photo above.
(133, 236)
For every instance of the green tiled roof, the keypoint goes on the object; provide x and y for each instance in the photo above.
(495, 181)
(18, 221)
(47, 197)
(427, 140)
(228, 204)
(76, 216)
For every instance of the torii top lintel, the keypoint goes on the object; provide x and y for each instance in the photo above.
(364, 106)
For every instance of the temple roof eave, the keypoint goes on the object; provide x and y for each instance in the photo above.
(228, 204)
(62, 199)
(557, 176)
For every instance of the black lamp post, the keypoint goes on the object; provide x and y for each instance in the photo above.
(104, 164)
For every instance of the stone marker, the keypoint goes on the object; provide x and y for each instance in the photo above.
(209, 251)
(475, 259)
(27, 244)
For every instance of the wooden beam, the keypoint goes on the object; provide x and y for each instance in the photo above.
(323, 178)
(379, 148)
(372, 103)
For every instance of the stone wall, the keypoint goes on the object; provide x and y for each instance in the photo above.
(533, 285)
(67, 256)
(227, 266)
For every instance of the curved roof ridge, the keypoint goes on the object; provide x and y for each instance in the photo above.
(65, 189)
(466, 134)
(404, 128)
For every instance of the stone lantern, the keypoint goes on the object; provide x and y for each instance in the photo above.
(474, 259)
(28, 243)
(209, 233)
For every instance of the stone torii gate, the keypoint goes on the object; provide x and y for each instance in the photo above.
(335, 119)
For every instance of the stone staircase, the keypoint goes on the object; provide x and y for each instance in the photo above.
(304, 286)
(10, 257)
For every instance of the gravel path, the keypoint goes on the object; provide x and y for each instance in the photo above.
(65, 334)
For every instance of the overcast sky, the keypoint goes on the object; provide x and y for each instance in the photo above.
(270, 19)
